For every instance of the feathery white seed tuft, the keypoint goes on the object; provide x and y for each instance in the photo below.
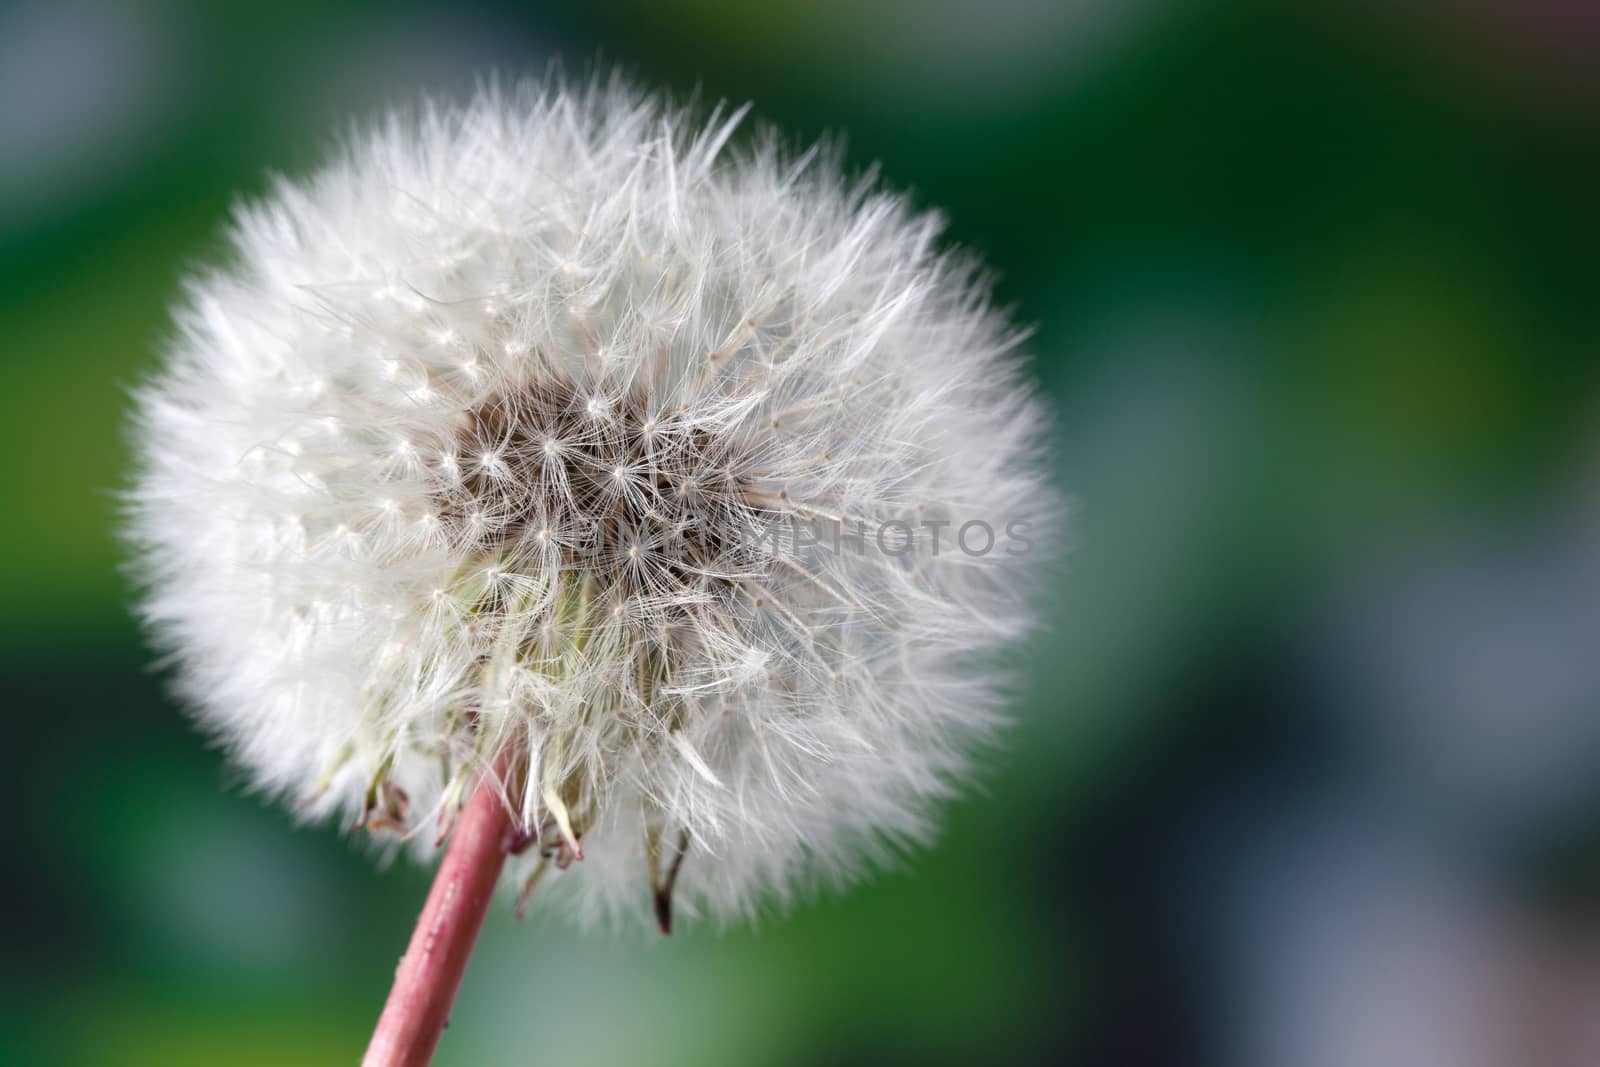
(476, 447)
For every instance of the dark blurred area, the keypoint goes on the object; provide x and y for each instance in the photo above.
(1306, 772)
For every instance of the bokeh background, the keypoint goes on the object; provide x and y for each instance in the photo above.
(1305, 772)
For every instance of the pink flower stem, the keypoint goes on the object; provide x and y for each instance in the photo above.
(426, 980)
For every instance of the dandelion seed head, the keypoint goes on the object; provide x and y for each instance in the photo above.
(527, 378)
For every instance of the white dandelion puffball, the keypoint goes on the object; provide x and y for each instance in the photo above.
(679, 485)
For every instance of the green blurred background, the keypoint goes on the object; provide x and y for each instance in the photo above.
(1303, 773)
